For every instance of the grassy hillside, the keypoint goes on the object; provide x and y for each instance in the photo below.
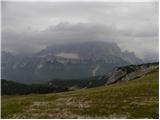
(131, 99)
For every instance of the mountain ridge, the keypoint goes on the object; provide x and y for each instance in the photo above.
(66, 61)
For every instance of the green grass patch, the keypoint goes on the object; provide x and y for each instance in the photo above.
(131, 99)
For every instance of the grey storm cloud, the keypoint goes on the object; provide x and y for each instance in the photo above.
(28, 27)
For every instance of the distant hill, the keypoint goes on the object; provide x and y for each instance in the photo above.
(67, 61)
(73, 84)
(15, 88)
(56, 85)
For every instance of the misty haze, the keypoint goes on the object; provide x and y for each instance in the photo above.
(93, 59)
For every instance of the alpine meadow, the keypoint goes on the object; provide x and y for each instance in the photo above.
(79, 60)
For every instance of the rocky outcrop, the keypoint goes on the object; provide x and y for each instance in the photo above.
(117, 74)
(130, 72)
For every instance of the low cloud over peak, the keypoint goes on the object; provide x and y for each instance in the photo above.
(30, 27)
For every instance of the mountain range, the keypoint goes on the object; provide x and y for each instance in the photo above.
(66, 61)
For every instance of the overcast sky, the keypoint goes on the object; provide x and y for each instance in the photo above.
(31, 26)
